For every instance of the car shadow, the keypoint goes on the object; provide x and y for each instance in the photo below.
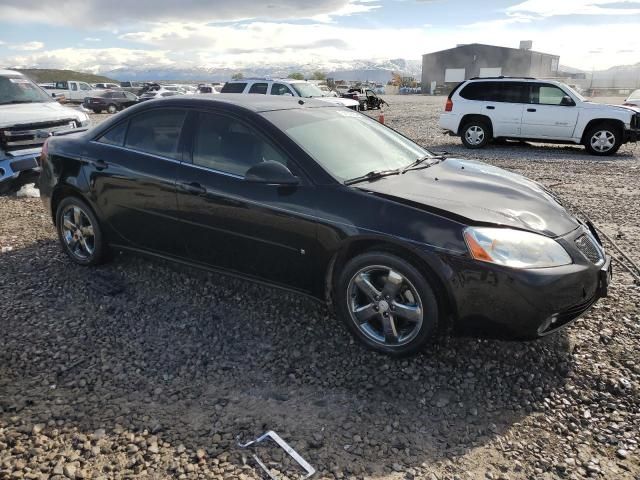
(201, 359)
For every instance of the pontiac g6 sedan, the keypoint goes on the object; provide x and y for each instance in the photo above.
(320, 199)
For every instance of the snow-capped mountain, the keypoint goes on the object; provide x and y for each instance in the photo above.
(373, 70)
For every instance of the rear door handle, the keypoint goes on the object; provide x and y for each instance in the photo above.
(100, 164)
(531, 109)
(194, 188)
(490, 107)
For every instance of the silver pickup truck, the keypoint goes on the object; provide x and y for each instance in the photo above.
(28, 115)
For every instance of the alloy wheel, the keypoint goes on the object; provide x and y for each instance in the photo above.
(603, 141)
(475, 135)
(77, 232)
(385, 306)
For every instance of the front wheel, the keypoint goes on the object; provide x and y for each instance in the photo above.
(603, 140)
(79, 232)
(386, 303)
(475, 134)
(111, 108)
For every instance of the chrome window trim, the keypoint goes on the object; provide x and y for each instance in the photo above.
(213, 170)
(129, 149)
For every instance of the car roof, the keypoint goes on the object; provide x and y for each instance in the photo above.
(279, 80)
(255, 103)
(513, 79)
(10, 72)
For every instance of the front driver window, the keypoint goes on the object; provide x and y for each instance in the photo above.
(224, 144)
(547, 95)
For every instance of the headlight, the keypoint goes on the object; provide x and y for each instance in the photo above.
(83, 118)
(514, 248)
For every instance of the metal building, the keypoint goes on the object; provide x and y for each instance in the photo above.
(444, 69)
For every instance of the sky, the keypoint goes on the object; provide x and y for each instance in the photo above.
(99, 35)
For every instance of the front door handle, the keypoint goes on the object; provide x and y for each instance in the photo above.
(531, 109)
(194, 188)
(100, 164)
(490, 107)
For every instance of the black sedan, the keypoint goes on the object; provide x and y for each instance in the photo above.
(402, 242)
(111, 101)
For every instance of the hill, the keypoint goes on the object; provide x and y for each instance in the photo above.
(45, 75)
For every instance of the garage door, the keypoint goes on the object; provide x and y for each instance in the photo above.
(452, 75)
(490, 72)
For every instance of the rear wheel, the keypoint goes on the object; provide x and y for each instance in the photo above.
(475, 134)
(603, 139)
(79, 232)
(386, 303)
(111, 108)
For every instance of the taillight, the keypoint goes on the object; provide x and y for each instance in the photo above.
(45, 152)
(449, 105)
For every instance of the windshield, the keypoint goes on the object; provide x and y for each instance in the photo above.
(308, 90)
(576, 94)
(18, 89)
(347, 144)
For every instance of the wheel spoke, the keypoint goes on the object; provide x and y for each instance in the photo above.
(87, 231)
(411, 313)
(366, 287)
(68, 224)
(365, 313)
(392, 285)
(73, 244)
(389, 327)
(84, 246)
(76, 216)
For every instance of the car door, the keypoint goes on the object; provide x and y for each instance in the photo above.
(133, 178)
(264, 231)
(550, 114)
(504, 104)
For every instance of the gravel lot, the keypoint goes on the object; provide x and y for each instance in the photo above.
(144, 369)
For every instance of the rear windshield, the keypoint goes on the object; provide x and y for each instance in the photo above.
(233, 88)
(16, 89)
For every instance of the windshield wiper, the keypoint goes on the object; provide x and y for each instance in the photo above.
(419, 161)
(373, 175)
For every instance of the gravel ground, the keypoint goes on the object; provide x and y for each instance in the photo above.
(144, 369)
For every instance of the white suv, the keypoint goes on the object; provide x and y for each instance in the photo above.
(294, 88)
(482, 109)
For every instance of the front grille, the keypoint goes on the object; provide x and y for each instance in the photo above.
(32, 135)
(588, 247)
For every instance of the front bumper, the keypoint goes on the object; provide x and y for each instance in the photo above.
(12, 167)
(510, 303)
(631, 135)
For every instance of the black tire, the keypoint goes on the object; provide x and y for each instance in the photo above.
(112, 108)
(422, 295)
(99, 251)
(95, 110)
(475, 134)
(611, 135)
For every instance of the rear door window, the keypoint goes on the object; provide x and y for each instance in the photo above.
(280, 89)
(157, 132)
(260, 88)
(233, 88)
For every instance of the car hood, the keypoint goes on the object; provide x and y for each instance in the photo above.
(339, 101)
(25, 113)
(617, 107)
(477, 193)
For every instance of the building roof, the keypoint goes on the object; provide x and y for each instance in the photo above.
(484, 45)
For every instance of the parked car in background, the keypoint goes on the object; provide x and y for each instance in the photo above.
(27, 116)
(253, 186)
(327, 91)
(286, 87)
(155, 94)
(482, 109)
(106, 86)
(633, 100)
(111, 101)
(132, 87)
(73, 91)
(366, 96)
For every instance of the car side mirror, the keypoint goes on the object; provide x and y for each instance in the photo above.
(567, 101)
(272, 173)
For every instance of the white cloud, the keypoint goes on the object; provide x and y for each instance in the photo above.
(27, 47)
(552, 8)
(98, 13)
(92, 39)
